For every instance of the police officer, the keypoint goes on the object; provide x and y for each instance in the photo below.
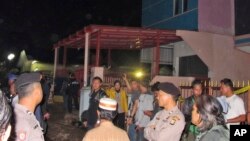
(72, 92)
(168, 123)
(30, 95)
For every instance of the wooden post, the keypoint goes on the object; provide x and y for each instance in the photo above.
(109, 57)
(156, 58)
(64, 56)
(97, 56)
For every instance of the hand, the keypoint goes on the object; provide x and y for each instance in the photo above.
(46, 116)
(129, 120)
(137, 127)
(147, 113)
(85, 123)
(124, 76)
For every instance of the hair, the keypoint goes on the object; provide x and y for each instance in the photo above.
(5, 114)
(118, 81)
(26, 90)
(133, 80)
(175, 97)
(210, 111)
(97, 78)
(155, 87)
(228, 82)
(106, 114)
(196, 82)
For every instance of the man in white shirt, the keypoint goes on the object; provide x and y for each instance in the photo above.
(143, 114)
(236, 110)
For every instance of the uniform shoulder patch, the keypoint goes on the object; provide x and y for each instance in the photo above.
(21, 135)
(174, 119)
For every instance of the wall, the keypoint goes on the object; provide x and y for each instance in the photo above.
(159, 14)
(219, 54)
(216, 16)
(181, 49)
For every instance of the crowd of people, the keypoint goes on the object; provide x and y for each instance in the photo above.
(154, 115)
(134, 113)
(24, 108)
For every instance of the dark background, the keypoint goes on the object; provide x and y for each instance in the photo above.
(34, 25)
(242, 20)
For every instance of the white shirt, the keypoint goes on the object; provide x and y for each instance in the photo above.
(235, 108)
(15, 100)
(145, 104)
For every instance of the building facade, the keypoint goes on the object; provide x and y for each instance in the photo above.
(213, 45)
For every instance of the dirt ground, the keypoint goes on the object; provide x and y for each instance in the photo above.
(61, 127)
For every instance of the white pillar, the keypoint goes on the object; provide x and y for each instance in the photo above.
(55, 64)
(85, 91)
(86, 57)
(50, 100)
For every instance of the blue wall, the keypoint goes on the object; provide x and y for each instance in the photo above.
(159, 14)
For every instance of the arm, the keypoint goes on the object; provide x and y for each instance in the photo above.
(241, 118)
(148, 113)
(149, 132)
(149, 109)
(135, 107)
(241, 112)
(173, 132)
(127, 83)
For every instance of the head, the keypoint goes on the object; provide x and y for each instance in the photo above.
(226, 87)
(155, 88)
(107, 109)
(11, 82)
(5, 118)
(11, 78)
(96, 83)
(197, 87)
(134, 85)
(72, 76)
(28, 87)
(207, 112)
(117, 85)
(168, 95)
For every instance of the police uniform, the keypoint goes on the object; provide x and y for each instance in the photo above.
(167, 124)
(27, 127)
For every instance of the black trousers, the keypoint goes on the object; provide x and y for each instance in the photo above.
(119, 120)
(70, 98)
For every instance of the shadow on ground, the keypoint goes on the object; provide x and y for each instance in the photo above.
(61, 127)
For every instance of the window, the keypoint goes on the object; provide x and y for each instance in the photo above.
(177, 7)
(185, 5)
(180, 6)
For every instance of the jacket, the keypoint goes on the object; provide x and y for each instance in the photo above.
(216, 133)
(124, 100)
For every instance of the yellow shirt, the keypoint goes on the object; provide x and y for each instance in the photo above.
(123, 98)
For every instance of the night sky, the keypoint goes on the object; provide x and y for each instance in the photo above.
(34, 25)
